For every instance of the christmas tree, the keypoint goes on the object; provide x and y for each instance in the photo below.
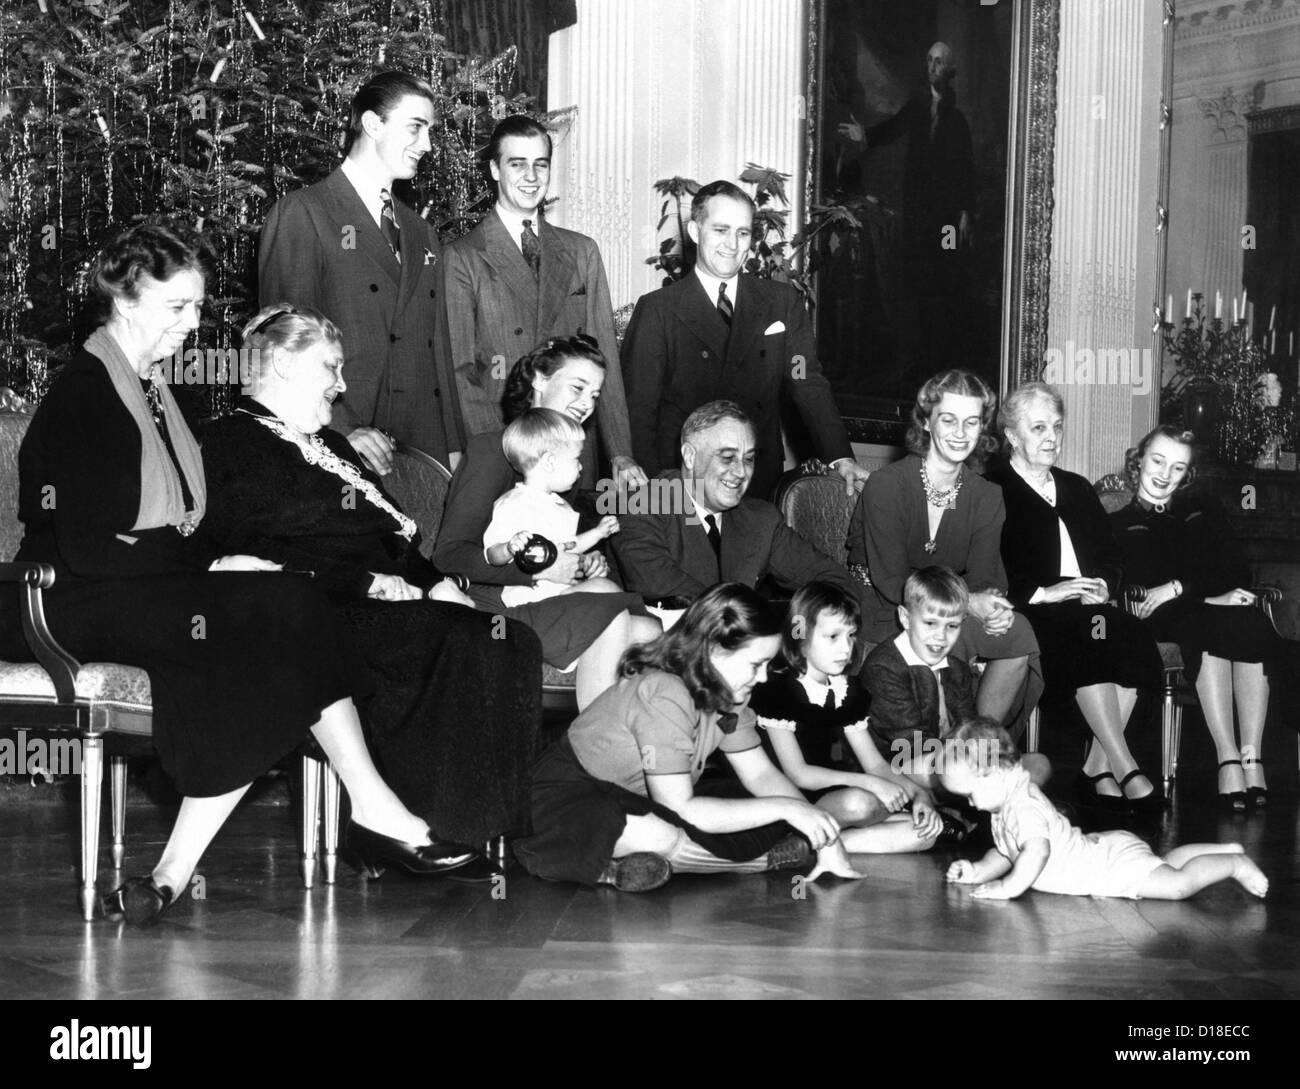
(200, 112)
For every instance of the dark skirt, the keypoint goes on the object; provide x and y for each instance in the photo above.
(577, 820)
(1235, 632)
(240, 664)
(456, 712)
(1083, 645)
(568, 624)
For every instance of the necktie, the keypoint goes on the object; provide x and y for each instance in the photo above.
(715, 538)
(943, 704)
(388, 224)
(532, 248)
(830, 699)
(725, 307)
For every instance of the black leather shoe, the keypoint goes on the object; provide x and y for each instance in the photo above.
(1086, 788)
(791, 853)
(1148, 803)
(478, 871)
(1234, 801)
(421, 859)
(641, 871)
(140, 901)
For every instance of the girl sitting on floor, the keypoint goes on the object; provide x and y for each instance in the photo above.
(805, 708)
(1036, 847)
(615, 801)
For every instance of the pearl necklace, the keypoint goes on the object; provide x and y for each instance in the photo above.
(942, 498)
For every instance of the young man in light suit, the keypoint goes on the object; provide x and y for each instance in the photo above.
(718, 334)
(370, 264)
(515, 281)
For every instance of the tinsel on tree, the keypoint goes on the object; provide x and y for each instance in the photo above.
(200, 112)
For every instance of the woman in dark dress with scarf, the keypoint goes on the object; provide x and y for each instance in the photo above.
(457, 702)
(1063, 567)
(243, 662)
(1182, 549)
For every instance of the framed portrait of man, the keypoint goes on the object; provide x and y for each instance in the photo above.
(930, 155)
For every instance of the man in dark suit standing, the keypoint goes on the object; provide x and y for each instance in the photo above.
(515, 281)
(370, 264)
(688, 530)
(717, 334)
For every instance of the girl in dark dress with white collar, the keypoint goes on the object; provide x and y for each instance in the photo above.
(1181, 548)
(804, 708)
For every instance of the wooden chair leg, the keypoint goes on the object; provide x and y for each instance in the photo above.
(330, 787)
(117, 789)
(311, 774)
(1171, 723)
(92, 779)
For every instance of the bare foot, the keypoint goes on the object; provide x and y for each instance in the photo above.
(1250, 877)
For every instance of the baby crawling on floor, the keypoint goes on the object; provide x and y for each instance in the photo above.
(1035, 847)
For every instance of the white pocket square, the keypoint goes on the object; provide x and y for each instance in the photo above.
(775, 327)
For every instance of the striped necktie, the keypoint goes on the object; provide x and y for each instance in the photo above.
(725, 306)
(388, 224)
(531, 247)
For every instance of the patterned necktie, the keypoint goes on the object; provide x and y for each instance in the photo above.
(388, 223)
(532, 248)
(725, 307)
(715, 537)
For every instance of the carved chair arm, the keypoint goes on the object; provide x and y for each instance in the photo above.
(62, 667)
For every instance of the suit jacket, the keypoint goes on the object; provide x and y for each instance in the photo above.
(678, 355)
(320, 247)
(497, 312)
(905, 698)
(662, 555)
(1031, 541)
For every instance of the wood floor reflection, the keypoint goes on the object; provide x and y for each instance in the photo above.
(902, 933)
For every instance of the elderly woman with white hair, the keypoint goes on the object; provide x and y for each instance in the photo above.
(1063, 568)
(456, 701)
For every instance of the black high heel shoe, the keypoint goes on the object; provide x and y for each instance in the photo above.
(1232, 800)
(422, 859)
(140, 901)
(1086, 789)
(1257, 797)
(1148, 803)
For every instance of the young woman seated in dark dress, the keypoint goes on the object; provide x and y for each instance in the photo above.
(614, 801)
(584, 631)
(1182, 549)
(112, 491)
(457, 702)
(1063, 569)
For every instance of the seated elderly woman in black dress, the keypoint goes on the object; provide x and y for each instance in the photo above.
(1063, 568)
(110, 447)
(1182, 549)
(587, 632)
(457, 702)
